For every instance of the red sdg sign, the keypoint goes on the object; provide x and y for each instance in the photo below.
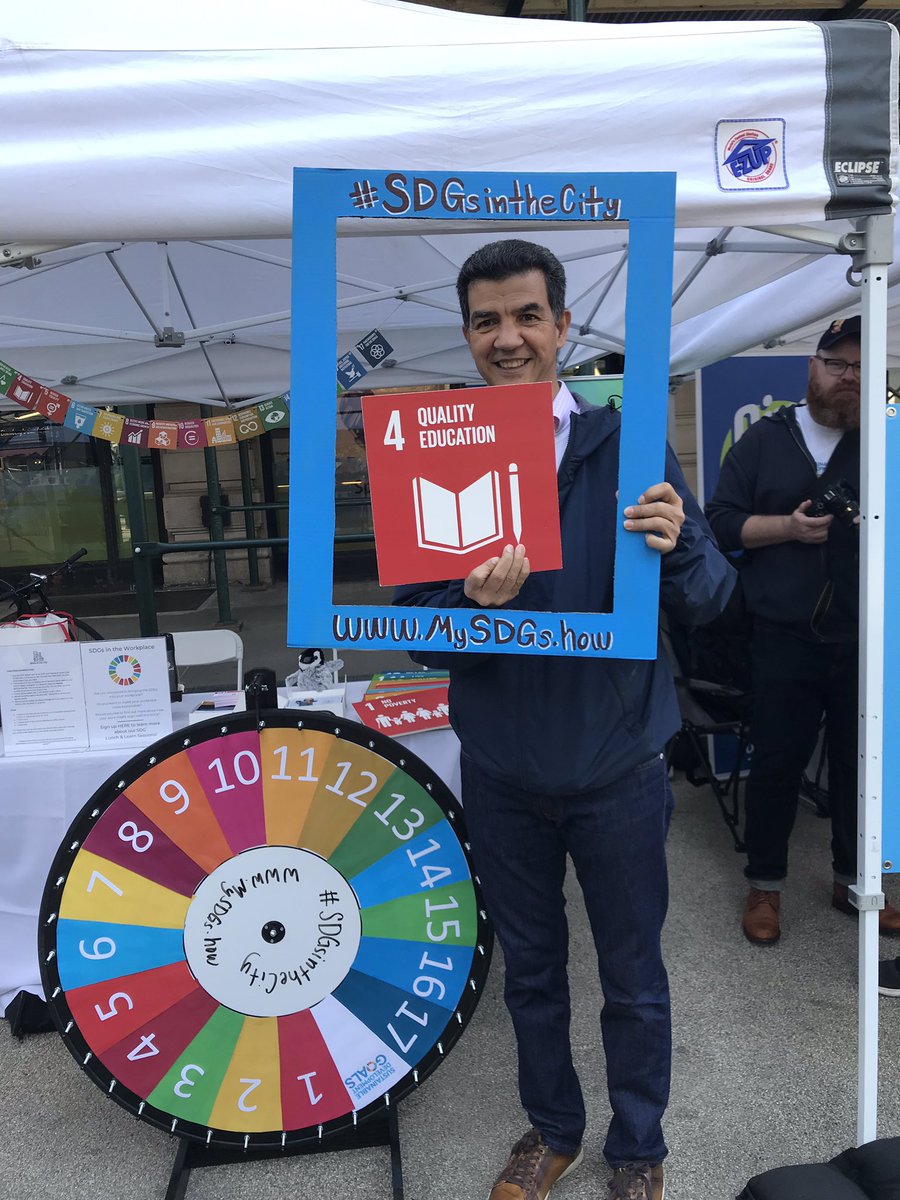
(457, 475)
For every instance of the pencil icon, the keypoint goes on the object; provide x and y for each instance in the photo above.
(514, 501)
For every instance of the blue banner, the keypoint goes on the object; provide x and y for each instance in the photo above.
(731, 396)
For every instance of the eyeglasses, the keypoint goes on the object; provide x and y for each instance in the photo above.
(837, 366)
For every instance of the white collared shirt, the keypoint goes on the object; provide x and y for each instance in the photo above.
(564, 404)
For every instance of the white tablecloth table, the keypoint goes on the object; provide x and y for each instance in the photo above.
(40, 796)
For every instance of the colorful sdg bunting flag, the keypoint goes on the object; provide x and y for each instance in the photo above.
(192, 434)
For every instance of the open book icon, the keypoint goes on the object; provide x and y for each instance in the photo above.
(457, 522)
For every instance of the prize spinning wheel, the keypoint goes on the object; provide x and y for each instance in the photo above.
(262, 930)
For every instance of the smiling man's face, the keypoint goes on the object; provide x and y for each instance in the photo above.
(512, 333)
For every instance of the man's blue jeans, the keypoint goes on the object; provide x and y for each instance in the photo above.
(616, 837)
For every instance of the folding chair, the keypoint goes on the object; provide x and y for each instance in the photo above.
(709, 665)
(204, 647)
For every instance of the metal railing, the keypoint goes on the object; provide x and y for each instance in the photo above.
(145, 552)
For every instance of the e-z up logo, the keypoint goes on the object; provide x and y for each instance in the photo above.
(419, 194)
(750, 154)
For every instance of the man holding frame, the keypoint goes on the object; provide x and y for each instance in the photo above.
(563, 756)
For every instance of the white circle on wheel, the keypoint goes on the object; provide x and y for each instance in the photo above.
(272, 931)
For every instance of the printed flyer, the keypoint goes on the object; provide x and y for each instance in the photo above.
(126, 692)
(41, 698)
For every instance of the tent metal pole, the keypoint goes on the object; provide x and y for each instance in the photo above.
(872, 260)
(276, 260)
(249, 515)
(164, 282)
(133, 294)
(709, 251)
(60, 259)
(605, 291)
(14, 253)
(735, 246)
(137, 521)
(217, 533)
(122, 335)
(230, 326)
(803, 233)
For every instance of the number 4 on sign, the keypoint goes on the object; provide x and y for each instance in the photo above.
(394, 434)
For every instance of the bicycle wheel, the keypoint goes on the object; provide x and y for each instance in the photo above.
(263, 931)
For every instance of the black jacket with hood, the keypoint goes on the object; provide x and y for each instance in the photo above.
(813, 590)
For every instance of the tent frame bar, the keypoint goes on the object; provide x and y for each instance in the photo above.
(713, 248)
(804, 233)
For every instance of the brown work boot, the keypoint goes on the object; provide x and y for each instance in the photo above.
(888, 917)
(638, 1181)
(761, 924)
(532, 1170)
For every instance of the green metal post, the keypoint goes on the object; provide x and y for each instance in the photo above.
(247, 492)
(216, 530)
(143, 566)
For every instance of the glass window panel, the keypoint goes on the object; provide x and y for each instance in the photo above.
(50, 498)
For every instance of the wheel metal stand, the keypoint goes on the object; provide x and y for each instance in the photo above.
(379, 1130)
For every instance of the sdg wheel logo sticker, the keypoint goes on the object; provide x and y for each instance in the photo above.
(124, 670)
(264, 931)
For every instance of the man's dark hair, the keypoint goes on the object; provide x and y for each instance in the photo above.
(501, 260)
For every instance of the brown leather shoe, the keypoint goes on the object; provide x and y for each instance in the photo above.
(761, 923)
(638, 1181)
(532, 1170)
(888, 917)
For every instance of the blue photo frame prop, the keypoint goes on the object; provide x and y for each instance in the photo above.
(321, 197)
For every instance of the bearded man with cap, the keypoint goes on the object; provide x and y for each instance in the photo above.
(786, 498)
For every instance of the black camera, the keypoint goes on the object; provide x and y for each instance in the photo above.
(839, 500)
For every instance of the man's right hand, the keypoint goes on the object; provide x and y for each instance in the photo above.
(808, 529)
(498, 580)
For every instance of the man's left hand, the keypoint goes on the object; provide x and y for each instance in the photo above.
(659, 515)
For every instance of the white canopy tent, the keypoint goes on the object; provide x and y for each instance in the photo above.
(128, 132)
(148, 162)
(73, 317)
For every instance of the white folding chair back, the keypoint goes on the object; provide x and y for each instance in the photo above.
(204, 647)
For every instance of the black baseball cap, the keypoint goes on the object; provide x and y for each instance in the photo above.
(843, 327)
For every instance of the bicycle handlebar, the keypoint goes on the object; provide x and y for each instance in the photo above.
(36, 583)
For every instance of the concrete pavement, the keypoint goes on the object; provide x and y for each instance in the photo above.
(764, 1039)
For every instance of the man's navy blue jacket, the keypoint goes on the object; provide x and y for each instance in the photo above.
(560, 725)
